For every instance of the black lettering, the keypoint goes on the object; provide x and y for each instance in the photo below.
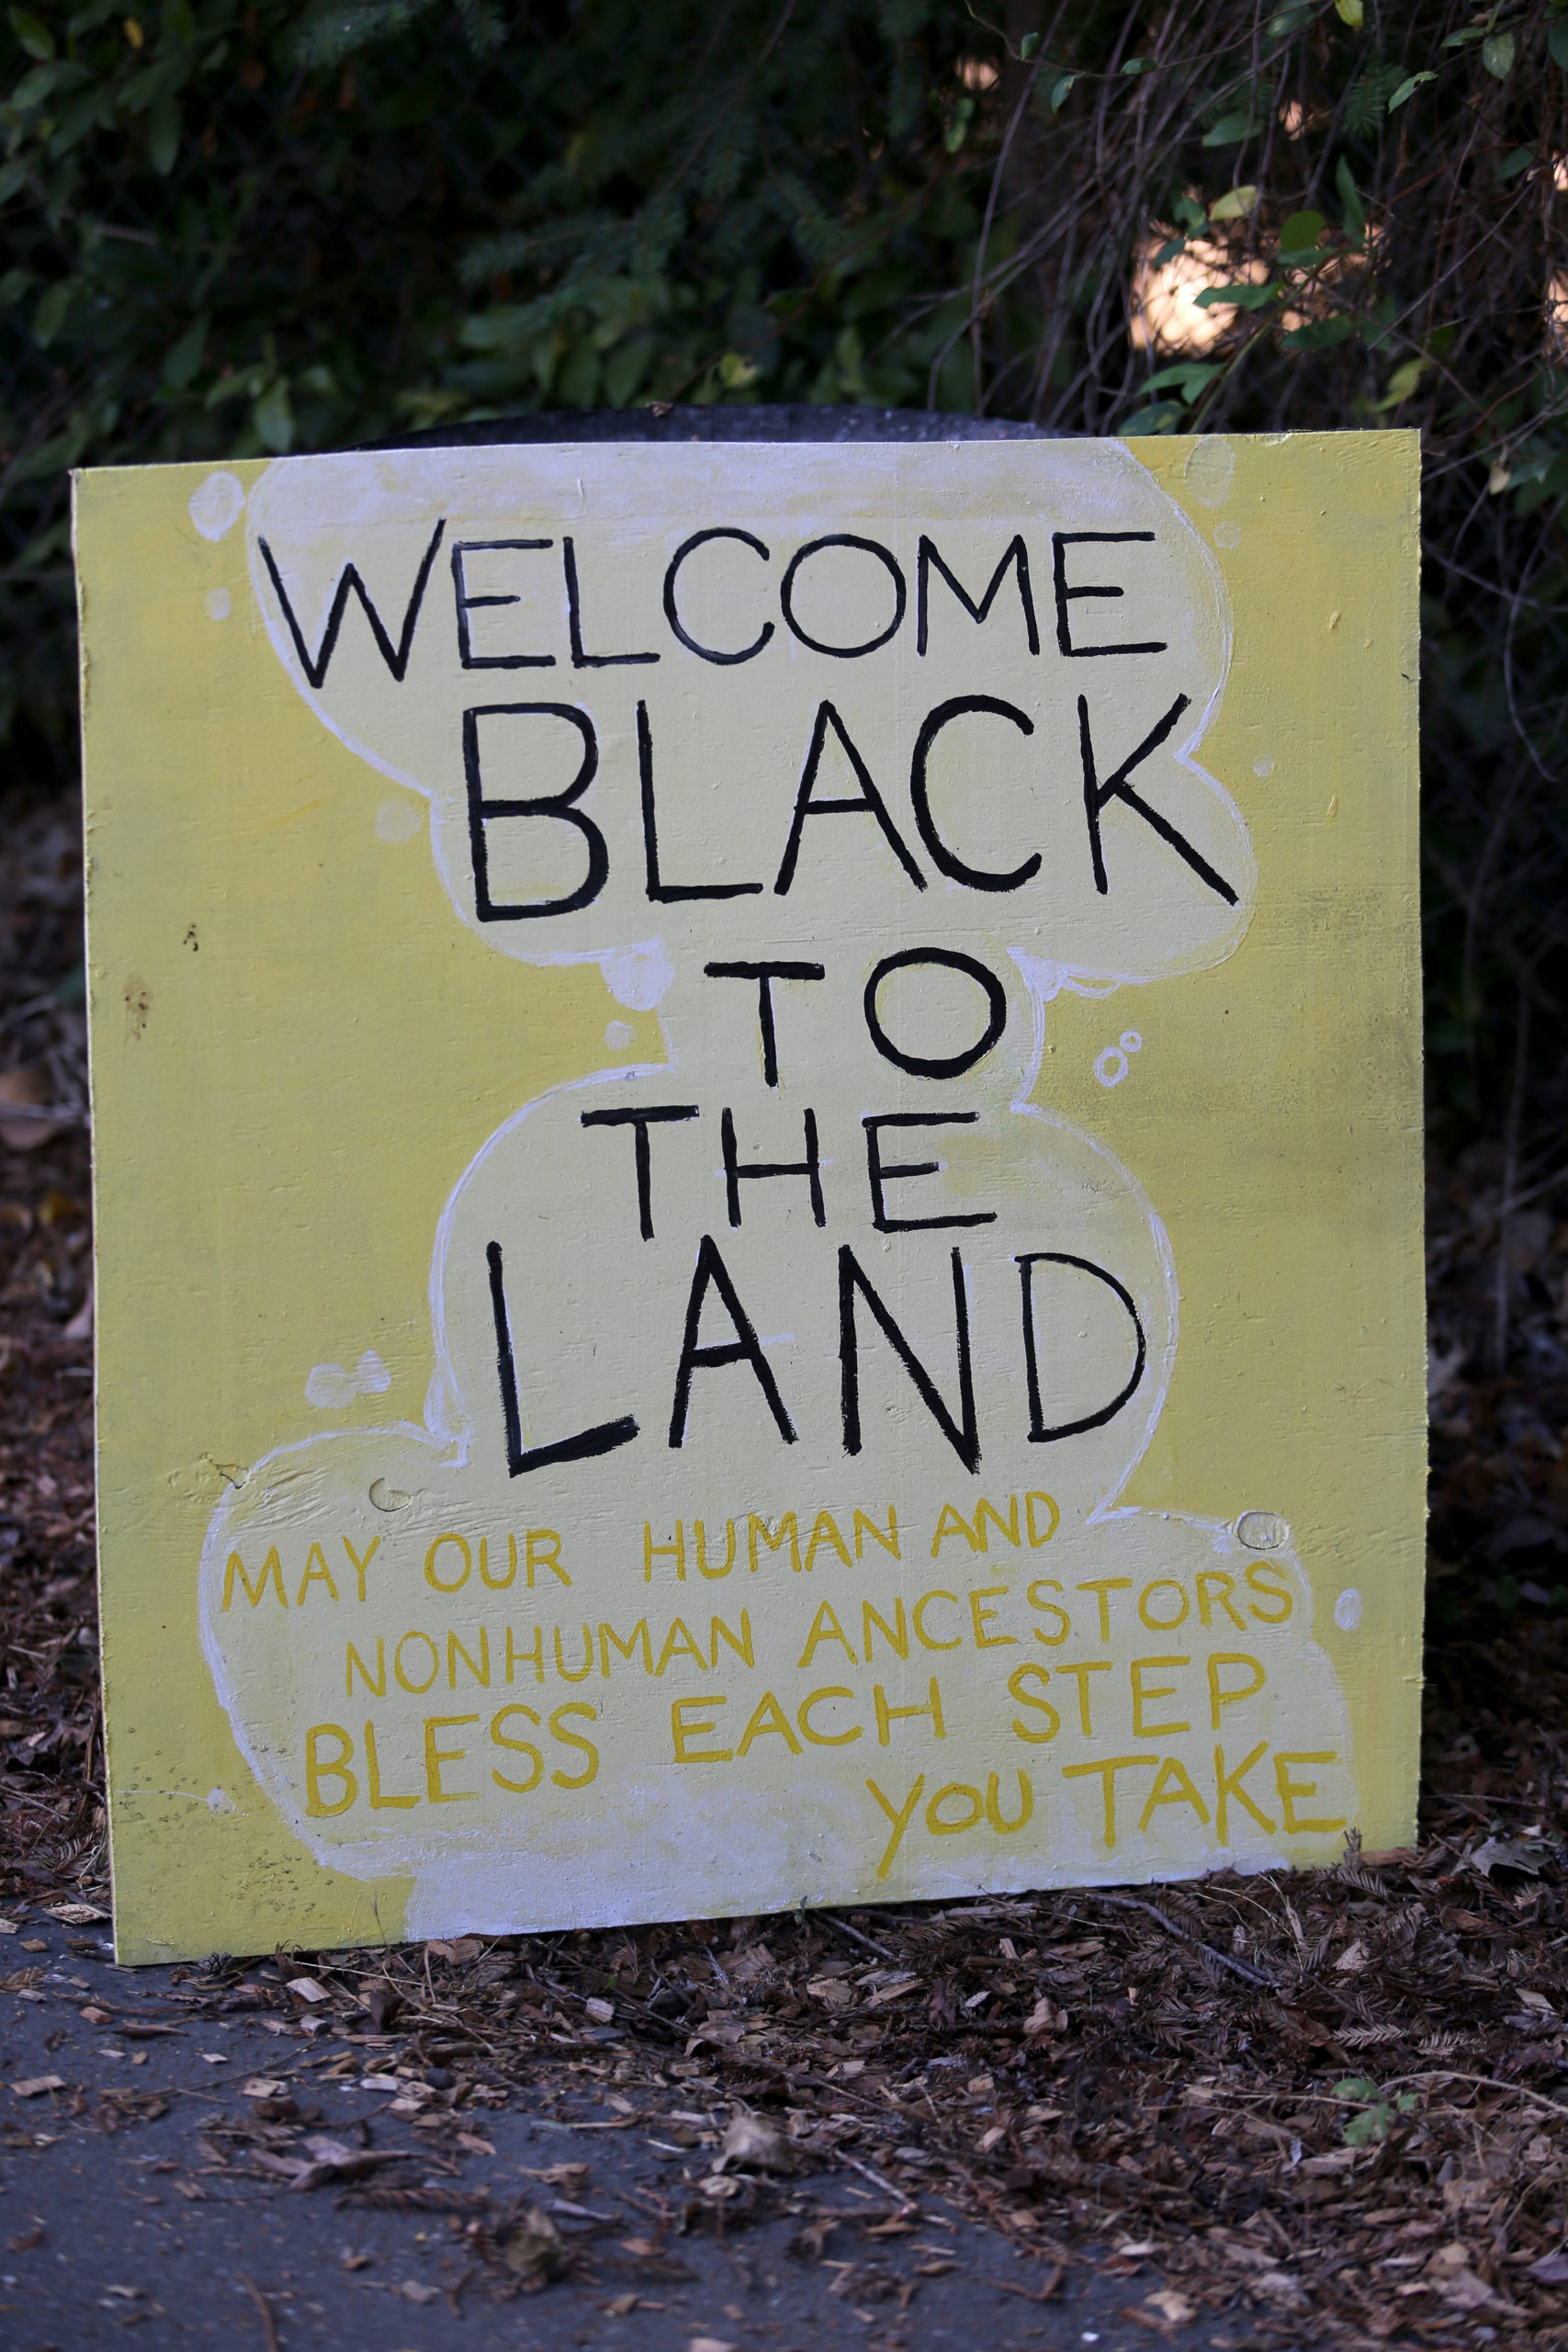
(521, 1459)
(1096, 794)
(952, 1064)
(396, 657)
(929, 561)
(963, 1435)
(662, 892)
(947, 860)
(688, 546)
(1060, 542)
(558, 806)
(580, 660)
(870, 547)
(765, 975)
(878, 1173)
(467, 605)
(869, 803)
(1038, 1433)
(642, 1120)
(745, 1347)
(734, 1175)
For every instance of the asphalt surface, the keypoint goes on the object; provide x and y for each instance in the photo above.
(206, 2184)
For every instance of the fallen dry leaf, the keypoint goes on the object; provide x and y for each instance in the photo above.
(1174, 2309)
(25, 1087)
(34, 2086)
(750, 2140)
(535, 2251)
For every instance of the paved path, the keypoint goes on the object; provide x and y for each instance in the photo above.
(207, 2186)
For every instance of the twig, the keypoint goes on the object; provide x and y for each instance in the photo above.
(26, 1012)
(1238, 1967)
(909, 2204)
(1482, 2082)
(842, 1928)
(254, 2292)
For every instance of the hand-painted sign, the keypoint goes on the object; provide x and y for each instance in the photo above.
(675, 1030)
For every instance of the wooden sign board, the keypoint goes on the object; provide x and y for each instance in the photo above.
(758, 1175)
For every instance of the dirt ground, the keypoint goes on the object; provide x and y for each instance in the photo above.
(1327, 2108)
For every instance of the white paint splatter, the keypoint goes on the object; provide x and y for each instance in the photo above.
(330, 1386)
(398, 820)
(218, 505)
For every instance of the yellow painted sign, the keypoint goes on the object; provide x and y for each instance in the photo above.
(759, 1174)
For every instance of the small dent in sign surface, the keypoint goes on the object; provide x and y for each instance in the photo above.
(220, 1800)
(385, 1498)
(1265, 766)
(138, 1004)
(1348, 1610)
(218, 604)
(1227, 535)
(1332, 811)
(1263, 1531)
(619, 1036)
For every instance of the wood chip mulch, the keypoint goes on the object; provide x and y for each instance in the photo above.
(1333, 2106)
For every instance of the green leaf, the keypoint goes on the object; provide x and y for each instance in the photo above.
(1407, 89)
(1029, 47)
(1319, 335)
(163, 136)
(1518, 160)
(1403, 382)
(1354, 2087)
(1193, 376)
(1557, 43)
(183, 362)
(1231, 129)
(1350, 197)
(1349, 13)
(1062, 92)
(1497, 55)
(1164, 416)
(49, 316)
(34, 38)
(1234, 205)
(1245, 296)
(273, 416)
(1137, 66)
(1370, 2126)
(11, 176)
(1300, 232)
(1463, 39)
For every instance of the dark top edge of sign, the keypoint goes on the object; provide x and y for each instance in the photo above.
(766, 421)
